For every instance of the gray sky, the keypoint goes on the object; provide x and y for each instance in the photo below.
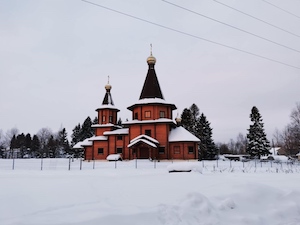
(56, 55)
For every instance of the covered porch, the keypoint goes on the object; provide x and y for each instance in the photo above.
(143, 147)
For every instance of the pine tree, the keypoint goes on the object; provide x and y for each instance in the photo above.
(200, 127)
(120, 123)
(62, 143)
(52, 147)
(258, 144)
(86, 129)
(95, 121)
(13, 145)
(187, 120)
(28, 141)
(76, 135)
(35, 146)
(207, 147)
(21, 145)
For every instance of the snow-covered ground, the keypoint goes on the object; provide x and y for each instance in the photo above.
(145, 193)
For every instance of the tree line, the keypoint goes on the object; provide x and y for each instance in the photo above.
(49, 144)
(255, 143)
(45, 143)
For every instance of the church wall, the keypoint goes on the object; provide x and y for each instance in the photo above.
(180, 150)
(106, 116)
(100, 130)
(142, 112)
(100, 149)
(88, 153)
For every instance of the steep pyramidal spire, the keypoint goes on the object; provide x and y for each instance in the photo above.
(151, 88)
(107, 98)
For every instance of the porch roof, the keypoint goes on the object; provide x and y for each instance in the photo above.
(144, 136)
(142, 140)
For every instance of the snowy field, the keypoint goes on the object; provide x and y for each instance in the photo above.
(35, 192)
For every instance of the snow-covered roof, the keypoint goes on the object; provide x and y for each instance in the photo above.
(146, 101)
(298, 154)
(142, 140)
(160, 120)
(108, 106)
(144, 136)
(181, 134)
(86, 142)
(98, 138)
(118, 131)
(78, 145)
(105, 125)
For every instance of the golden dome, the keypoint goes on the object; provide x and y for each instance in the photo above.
(151, 59)
(108, 87)
(178, 120)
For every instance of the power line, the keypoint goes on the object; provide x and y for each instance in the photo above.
(281, 9)
(253, 17)
(226, 24)
(190, 35)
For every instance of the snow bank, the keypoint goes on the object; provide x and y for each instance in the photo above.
(185, 167)
(147, 195)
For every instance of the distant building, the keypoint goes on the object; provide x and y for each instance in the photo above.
(152, 132)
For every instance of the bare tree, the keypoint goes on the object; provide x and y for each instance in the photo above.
(240, 144)
(295, 115)
(44, 135)
(9, 135)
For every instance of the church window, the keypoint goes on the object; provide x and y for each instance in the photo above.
(110, 119)
(100, 151)
(136, 116)
(176, 149)
(147, 114)
(119, 150)
(103, 118)
(162, 114)
(148, 133)
(191, 149)
(161, 150)
(119, 137)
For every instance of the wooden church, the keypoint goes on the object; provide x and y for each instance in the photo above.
(151, 134)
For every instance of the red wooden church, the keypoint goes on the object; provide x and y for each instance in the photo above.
(152, 133)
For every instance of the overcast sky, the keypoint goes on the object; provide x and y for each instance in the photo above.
(55, 56)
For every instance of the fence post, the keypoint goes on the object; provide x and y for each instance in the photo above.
(93, 164)
(13, 165)
(80, 163)
(154, 163)
(69, 163)
(41, 162)
(115, 163)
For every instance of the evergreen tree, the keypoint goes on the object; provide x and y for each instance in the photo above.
(21, 145)
(95, 121)
(35, 147)
(187, 120)
(86, 129)
(28, 141)
(52, 147)
(258, 144)
(200, 127)
(76, 135)
(207, 147)
(62, 143)
(120, 123)
(13, 146)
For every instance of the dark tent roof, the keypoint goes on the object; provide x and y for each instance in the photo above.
(151, 88)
